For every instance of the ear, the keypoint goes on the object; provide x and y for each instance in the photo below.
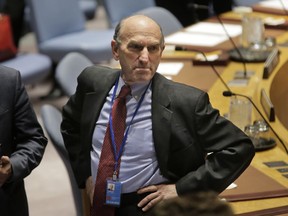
(162, 50)
(115, 48)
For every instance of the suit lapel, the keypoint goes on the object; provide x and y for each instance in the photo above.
(161, 120)
(161, 113)
(94, 101)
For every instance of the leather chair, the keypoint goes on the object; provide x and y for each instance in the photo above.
(33, 67)
(52, 118)
(88, 7)
(68, 70)
(59, 26)
(169, 23)
(119, 9)
(246, 2)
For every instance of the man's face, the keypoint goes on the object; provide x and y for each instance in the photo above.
(139, 49)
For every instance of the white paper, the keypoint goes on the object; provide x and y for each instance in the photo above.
(231, 186)
(276, 4)
(195, 39)
(215, 28)
(170, 69)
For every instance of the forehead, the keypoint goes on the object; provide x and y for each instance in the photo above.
(139, 29)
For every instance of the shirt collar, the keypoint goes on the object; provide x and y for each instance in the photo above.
(136, 89)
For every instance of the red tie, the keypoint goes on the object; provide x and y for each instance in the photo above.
(107, 161)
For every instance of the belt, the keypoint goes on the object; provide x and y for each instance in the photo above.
(132, 198)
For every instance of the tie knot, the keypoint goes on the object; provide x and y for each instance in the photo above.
(125, 90)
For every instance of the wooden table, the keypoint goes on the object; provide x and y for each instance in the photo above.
(205, 78)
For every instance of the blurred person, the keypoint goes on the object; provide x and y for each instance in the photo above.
(196, 204)
(22, 143)
(15, 10)
(174, 143)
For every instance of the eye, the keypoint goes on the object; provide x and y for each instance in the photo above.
(135, 47)
(153, 48)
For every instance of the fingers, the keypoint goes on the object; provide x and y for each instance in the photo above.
(5, 160)
(5, 169)
(150, 200)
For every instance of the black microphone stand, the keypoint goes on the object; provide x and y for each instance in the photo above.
(229, 94)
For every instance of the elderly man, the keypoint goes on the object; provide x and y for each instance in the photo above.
(162, 150)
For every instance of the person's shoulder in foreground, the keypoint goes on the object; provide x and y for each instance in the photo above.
(22, 142)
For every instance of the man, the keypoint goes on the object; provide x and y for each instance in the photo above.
(22, 143)
(170, 129)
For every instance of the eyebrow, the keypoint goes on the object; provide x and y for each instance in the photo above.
(150, 44)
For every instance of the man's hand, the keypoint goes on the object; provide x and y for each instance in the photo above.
(5, 169)
(157, 193)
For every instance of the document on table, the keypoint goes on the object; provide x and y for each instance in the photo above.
(195, 39)
(275, 4)
(170, 68)
(215, 29)
(204, 34)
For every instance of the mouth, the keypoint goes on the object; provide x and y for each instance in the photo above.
(141, 69)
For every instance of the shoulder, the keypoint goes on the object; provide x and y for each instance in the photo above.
(178, 90)
(9, 77)
(97, 71)
(8, 73)
(97, 77)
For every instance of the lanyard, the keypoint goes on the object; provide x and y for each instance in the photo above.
(117, 156)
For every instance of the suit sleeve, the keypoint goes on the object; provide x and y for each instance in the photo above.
(228, 150)
(29, 141)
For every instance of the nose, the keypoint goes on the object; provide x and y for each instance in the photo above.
(144, 55)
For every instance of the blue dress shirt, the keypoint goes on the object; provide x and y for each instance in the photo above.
(139, 166)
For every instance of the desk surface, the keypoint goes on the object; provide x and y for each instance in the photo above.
(204, 78)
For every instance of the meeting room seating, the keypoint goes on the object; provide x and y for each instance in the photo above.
(117, 10)
(169, 23)
(68, 69)
(89, 8)
(33, 67)
(60, 28)
(52, 118)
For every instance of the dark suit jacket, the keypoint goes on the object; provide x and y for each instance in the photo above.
(185, 129)
(22, 140)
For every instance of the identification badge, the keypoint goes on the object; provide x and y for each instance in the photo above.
(113, 192)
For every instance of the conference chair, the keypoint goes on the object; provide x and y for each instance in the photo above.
(52, 118)
(59, 26)
(246, 2)
(169, 23)
(68, 69)
(33, 67)
(88, 7)
(117, 10)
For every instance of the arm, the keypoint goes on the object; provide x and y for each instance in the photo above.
(197, 129)
(230, 150)
(28, 142)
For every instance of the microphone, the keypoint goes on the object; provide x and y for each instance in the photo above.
(213, 68)
(242, 59)
(230, 93)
